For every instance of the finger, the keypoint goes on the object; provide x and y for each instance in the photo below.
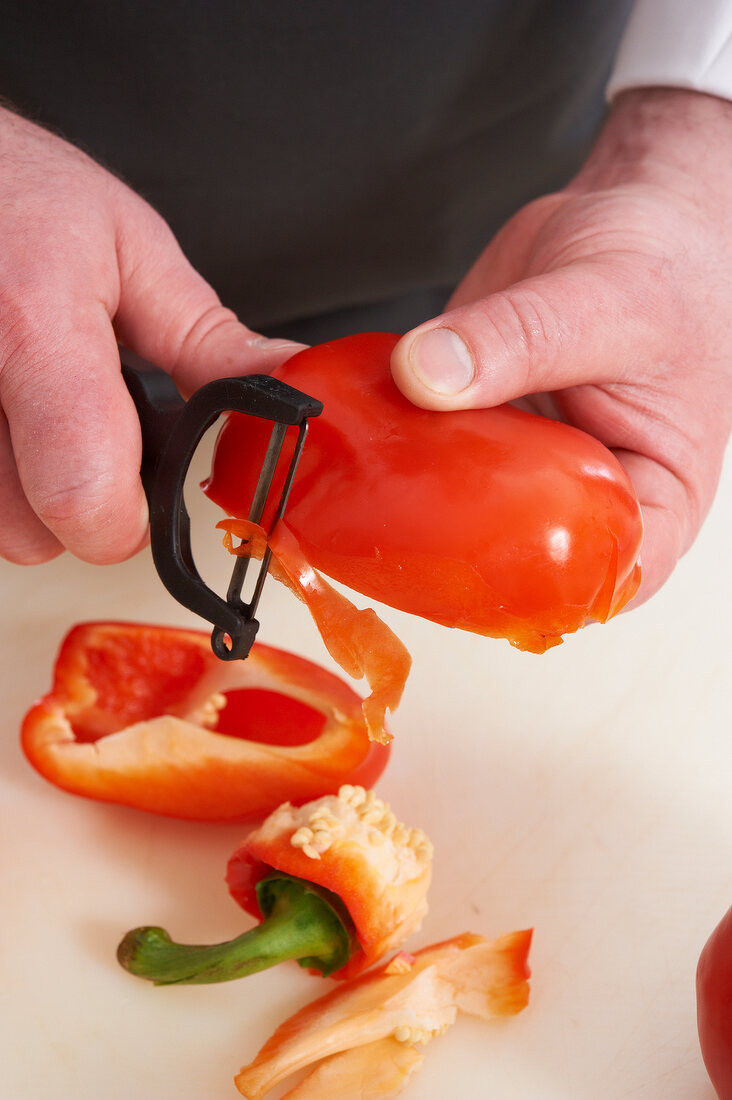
(671, 520)
(23, 538)
(170, 315)
(576, 325)
(75, 433)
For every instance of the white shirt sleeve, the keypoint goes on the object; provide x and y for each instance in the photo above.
(678, 44)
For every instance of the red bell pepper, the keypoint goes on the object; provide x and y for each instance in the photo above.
(492, 520)
(362, 1038)
(148, 717)
(336, 884)
(714, 1006)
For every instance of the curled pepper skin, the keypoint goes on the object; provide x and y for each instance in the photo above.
(352, 845)
(714, 1006)
(496, 520)
(147, 717)
(357, 640)
(362, 1038)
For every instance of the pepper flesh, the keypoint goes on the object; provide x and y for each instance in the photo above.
(490, 520)
(134, 712)
(352, 845)
(376, 1071)
(349, 1031)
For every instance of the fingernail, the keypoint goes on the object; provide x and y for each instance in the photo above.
(441, 361)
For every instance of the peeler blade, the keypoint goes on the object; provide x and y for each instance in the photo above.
(261, 495)
(171, 431)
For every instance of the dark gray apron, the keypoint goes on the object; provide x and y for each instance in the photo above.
(328, 166)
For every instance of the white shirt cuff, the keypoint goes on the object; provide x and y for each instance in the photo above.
(677, 44)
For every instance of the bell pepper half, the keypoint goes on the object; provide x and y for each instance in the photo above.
(147, 717)
(336, 884)
(365, 1038)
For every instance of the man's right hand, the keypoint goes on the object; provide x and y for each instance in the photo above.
(86, 263)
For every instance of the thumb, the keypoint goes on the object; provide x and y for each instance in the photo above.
(170, 315)
(575, 325)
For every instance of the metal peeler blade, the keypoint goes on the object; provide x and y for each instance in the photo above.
(171, 431)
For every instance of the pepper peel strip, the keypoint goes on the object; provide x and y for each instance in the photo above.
(356, 639)
(352, 845)
(350, 1030)
(129, 716)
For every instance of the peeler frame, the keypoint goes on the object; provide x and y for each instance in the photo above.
(171, 431)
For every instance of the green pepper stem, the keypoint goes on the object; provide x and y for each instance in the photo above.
(301, 925)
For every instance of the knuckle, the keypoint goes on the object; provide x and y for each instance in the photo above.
(87, 503)
(24, 324)
(94, 518)
(530, 331)
(29, 551)
(52, 374)
(207, 334)
(209, 325)
(23, 538)
(36, 334)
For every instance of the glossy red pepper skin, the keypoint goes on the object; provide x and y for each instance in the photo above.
(132, 718)
(714, 1006)
(491, 520)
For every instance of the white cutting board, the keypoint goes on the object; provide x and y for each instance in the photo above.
(586, 793)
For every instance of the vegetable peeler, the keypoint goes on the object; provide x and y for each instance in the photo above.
(171, 431)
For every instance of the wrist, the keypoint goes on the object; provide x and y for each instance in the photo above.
(672, 137)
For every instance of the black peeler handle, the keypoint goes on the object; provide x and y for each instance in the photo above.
(171, 431)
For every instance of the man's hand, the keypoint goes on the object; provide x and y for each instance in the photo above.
(610, 303)
(85, 263)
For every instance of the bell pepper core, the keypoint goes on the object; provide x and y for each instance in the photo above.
(301, 922)
(353, 845)
(336, 884)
